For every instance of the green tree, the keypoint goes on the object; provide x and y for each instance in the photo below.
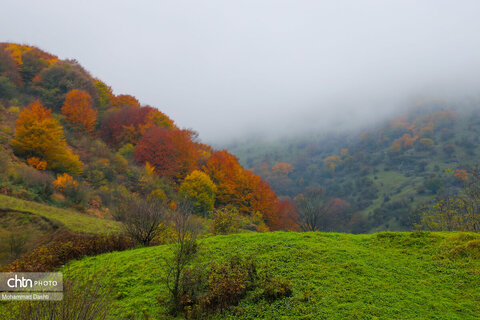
(434, 185)
(7, 88)
(104, 94)
(456, 213)
(425, 144)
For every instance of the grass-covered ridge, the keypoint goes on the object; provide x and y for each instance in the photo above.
(71, 219)
(418, 275)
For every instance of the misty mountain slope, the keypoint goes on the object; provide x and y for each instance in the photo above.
(68, 141)
(72, 151)
(381, 174)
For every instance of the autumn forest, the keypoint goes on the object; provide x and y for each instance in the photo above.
(98, 186)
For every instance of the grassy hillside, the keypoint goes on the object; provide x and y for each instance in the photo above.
(71, 219)
(30, 224)
(416, 275)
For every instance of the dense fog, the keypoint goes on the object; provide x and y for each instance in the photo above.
(230, 69)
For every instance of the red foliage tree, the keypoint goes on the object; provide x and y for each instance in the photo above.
(126, 125)
(119, 125)
(172, 152)
(335, 213)
(287, 216)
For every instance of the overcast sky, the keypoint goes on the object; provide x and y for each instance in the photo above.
(230, 68)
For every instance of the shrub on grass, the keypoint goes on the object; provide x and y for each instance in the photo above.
(86, 300)
(220, 286)
(470, 249)
(225, 221)
(68, 246)
(273, 287)
(35, 181)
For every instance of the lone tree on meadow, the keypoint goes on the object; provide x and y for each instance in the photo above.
(185, 248)
(316, 212)
(141, 219)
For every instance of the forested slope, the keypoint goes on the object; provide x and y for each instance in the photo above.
(373, 179)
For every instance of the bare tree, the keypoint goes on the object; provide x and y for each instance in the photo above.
(185, 249)
(141, 219)
(313, 209)
(17, 242)
(313, 214)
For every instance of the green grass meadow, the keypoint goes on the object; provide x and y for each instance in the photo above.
(71, 219)
(402, 275)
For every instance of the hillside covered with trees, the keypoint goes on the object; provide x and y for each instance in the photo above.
(374, 179)
(68, 141)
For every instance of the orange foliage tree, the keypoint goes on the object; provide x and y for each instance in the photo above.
(253, 194)
(171, 152)
(408, 141)
(223, 168)
(64, 182)
(124, 100)
(157, 118)
(403, 143)
(282, 168)
(37, 163)
(38, 134)
(78, 110)
(241, 188)
(461, 175)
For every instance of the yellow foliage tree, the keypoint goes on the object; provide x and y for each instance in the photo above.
(157, 195)
(38, 134)
(105, 94)
(149, 169)
(200, 190)
(331, 162)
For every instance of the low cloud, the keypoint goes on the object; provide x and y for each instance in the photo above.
(230, 69)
